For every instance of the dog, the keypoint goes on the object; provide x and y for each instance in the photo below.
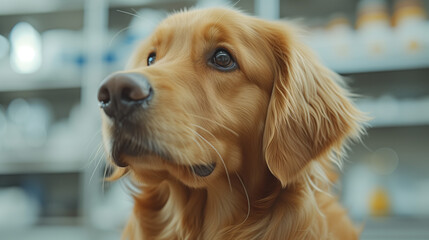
(231, 129)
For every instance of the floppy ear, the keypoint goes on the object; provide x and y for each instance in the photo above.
(309, 113)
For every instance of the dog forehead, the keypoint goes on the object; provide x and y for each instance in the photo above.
(210, 24)
(201, 16)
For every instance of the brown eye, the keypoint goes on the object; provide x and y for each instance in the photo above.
(223, 61)
(151, 59)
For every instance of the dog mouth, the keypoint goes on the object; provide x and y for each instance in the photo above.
(128, 147)
(124, 147)
(203, 170)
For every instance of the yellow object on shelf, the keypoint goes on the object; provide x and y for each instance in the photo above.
(379, 203)
(408, 9)
(372, 12)
(409, 19)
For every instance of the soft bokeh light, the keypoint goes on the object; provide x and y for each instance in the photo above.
(26, 46)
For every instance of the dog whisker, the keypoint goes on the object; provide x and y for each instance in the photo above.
(93, 138)
(126, 28)
(198, 144)
(247, 197)
(93, 156)
(117, 34)
(248, 204)
(217, 123)
(128, 13)
(104, 178)
(89, 143)
(233, 5)
(189, 162)
(95, 169)
(205, 130)
(193, 171)
(217, 152)
(135, 11)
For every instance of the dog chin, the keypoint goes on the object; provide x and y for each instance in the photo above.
(122, 150)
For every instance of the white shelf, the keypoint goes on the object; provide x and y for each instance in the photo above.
(396, 113)
(398, 123)
(380, 64)
(33, 167)
(15, 86)
(28, 161)
(22, 82)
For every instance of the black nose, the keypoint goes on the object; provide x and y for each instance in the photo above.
(123, 93)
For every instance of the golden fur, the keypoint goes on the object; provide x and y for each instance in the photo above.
(274, 127)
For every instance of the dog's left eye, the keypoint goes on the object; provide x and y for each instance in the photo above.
(151, 59)
(223, 60)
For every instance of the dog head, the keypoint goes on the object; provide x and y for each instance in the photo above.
(213, 91)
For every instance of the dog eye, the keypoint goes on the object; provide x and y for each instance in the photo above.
(223, 61)
(151, 59)
(222, 58)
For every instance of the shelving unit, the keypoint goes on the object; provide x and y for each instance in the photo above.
(48, 173)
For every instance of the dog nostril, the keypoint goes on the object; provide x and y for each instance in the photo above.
(133, 94)
(103, 97)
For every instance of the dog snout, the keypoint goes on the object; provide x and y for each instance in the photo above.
(123, 93)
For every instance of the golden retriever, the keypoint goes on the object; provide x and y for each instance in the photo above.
(230, 127)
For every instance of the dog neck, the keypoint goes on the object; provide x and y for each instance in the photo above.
(173, 209)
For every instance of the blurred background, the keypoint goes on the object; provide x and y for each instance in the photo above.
(54, 53)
